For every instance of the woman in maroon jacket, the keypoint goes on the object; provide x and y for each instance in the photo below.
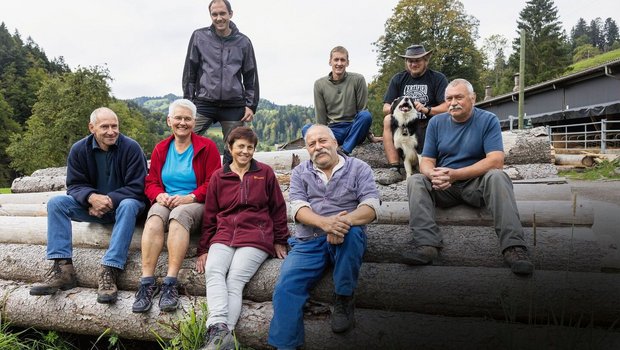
(244, 222)
(176, 185)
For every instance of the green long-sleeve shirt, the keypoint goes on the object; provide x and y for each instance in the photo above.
(341, 100)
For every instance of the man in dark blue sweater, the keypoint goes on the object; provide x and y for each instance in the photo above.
(105, 184)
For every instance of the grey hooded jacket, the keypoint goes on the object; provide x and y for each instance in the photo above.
(220, 70)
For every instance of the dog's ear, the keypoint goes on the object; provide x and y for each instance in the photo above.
(394, 104)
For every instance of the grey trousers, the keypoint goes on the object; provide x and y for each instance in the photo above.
(494, 189)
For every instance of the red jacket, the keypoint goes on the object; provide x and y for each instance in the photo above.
(206, 160)
(248, 213)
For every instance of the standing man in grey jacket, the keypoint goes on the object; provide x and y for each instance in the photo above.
(220, 74)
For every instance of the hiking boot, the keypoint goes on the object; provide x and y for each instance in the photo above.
(107, 291)
(343, 314)
(60, 276)
(144, 297)
(219, 338)
(422, 255)
(169, 299)
(516, 257)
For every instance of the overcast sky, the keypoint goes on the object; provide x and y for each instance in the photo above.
(143, 42)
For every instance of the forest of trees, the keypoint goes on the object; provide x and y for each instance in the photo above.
(274, 124)
(44, 105)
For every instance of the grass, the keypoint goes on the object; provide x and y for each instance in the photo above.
(5, 190)
(593, 62)
(602, 171)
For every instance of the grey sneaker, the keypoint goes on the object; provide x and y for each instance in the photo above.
(219, 337)
(421, 255)
(343, 314)
(107, 293)
(516, 257)
(169, 299)
(144, 297)
(61, 276)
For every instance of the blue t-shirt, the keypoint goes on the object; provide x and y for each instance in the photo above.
(178, 173)
(457, 145)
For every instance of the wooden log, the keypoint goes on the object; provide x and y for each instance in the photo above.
(76, 311)
(524, 148)
(437, 290)
(28, 198)
(463, 245)
(574, 159)
(545, 213)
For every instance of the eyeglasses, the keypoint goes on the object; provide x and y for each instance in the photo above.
(180, 118)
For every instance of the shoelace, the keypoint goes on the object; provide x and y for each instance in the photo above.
(53, 271)
(108, 278)
(170, 291)
(145, 290)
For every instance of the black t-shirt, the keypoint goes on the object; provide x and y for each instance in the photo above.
(429, 89)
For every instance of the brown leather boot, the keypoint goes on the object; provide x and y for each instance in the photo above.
(107, 291)
(61, 276)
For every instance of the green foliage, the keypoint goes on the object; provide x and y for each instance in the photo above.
(602, 171)
(190, 331)
(23, 69)
(60, 118)
(8, 339)
(584, 52)
(274, 124)
(442, 26)
(594, 61)
(8, 127)
(547, 50)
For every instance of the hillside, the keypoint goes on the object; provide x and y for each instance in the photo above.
(273, 123)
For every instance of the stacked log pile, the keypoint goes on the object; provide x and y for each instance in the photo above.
(467, 300)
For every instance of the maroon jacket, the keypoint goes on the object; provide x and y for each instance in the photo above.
(248, 213)
(206, 160)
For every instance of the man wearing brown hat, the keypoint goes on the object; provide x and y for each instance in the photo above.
(425, 86)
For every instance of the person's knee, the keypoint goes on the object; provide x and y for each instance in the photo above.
(304, 129)
(496, 176)
(57, 201)
(130, 206)
(365, 117)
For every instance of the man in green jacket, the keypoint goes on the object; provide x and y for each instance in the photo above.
(340, 102)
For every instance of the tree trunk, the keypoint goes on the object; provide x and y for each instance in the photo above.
(553, 248)
(522, 148)
(541, 213)
(582, 160)
(453, 291)
(76, 311)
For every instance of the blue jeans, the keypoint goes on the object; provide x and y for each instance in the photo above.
(349, 134)
(301, 270)
(62, 209)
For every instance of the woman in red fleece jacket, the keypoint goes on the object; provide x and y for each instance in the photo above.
(244, 222)
(176, 185)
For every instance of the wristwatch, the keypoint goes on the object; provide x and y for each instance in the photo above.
(193, 197)
(429, 111)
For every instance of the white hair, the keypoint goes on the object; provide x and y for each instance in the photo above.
(96, 112)
(319, 126)
(185, 103)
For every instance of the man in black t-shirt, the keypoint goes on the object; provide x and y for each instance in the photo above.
(425, 86)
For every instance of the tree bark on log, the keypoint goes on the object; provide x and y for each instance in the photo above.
(583, 160)
(540, 213)
(553, 248)
(437, 290)
(520, 148)
(76, 311)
